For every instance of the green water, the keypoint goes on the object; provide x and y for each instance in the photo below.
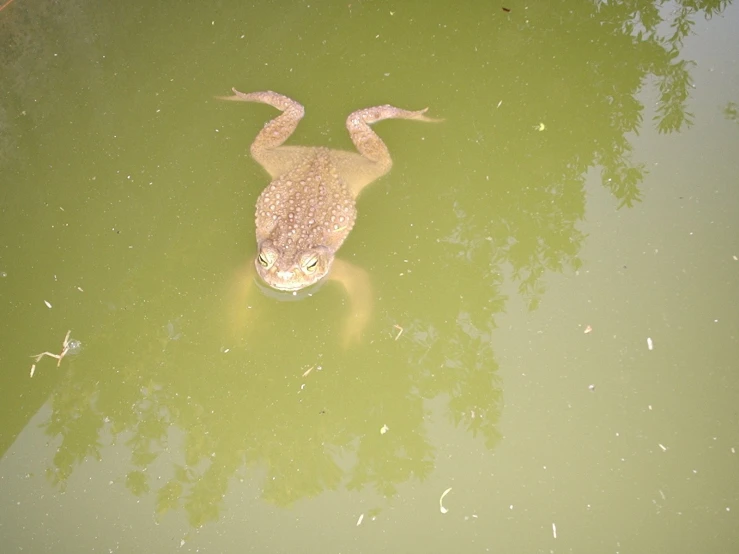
(584, 179)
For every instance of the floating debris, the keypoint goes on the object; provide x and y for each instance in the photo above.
(48, 304)
(400, 331)
(663, 447)
(308, 371)
(442, 509)
(1, 9)
(554, 530)
(68, 347)
(650, 344)
(384, 429)
(359, 521)
(591, 388)
(588, 329)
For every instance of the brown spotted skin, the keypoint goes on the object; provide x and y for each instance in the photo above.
(307, 211)
(303, 216)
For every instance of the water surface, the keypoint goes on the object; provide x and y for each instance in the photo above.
(560, 254)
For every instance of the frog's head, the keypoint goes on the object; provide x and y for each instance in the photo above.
(288, 271)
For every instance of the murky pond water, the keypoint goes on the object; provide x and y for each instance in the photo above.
(554, 273)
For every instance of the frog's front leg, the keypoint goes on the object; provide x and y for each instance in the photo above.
(240, 314)
(265, 148)
(370, 145)
(356, 282)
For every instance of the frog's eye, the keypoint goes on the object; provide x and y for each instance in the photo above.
(262, 260)
(311, 264)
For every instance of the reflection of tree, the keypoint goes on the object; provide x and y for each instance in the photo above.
(731, 112)
(75, 419)
(674, 87)
(525, 218)
(467, 376)
(247, 410)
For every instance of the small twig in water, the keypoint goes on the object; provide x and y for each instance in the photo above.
(65, 349)
(6, 5)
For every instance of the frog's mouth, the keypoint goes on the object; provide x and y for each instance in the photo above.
(287, 295)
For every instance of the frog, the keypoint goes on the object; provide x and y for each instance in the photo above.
(307, 211)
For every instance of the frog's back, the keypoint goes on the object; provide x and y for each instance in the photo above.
(307, 206)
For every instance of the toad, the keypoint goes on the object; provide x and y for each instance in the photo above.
(309, 208)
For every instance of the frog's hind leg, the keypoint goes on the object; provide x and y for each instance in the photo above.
(266, 146)
(377, 160)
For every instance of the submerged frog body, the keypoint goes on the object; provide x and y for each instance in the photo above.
(309, 208)
(304, 215)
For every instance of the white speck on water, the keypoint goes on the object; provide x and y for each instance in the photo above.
(554, 530)
(650, 344)
(663, 447)
(359, 521)
(442, 509)
(48, 304)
